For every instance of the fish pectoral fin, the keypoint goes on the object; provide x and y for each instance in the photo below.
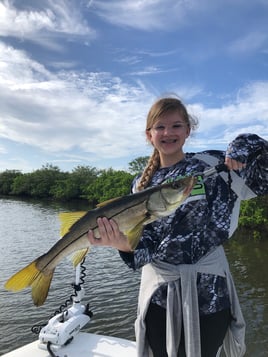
(78, 256)
(67, 219)
(31, 276)
(134, 234)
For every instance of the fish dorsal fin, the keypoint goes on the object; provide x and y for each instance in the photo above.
(104, 203)
(67, 219)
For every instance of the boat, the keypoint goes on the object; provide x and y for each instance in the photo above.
(62, 335)
(83, 345)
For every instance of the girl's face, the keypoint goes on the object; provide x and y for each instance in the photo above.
(168, 135)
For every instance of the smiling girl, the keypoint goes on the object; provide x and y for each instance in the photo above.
(188, 304)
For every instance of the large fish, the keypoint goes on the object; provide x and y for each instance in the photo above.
(131, 212)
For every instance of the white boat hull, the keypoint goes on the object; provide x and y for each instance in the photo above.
(83, 345)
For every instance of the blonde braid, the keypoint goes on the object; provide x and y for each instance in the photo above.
(152, 166)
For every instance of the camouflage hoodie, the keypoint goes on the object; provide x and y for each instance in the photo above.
(208, 217)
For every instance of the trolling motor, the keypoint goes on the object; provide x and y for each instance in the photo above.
(65, 325)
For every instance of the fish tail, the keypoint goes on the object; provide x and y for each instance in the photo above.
(31, 276)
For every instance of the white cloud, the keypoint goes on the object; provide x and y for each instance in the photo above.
(144, 14)
(3, 150)
(151, 70)
(247, 113)
(249, 43)
(95, 112)
(99, 113)
(46, 25)
(16, 67)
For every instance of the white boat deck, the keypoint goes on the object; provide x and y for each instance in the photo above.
(83, 345)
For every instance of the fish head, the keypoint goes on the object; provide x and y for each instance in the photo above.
(170, 196)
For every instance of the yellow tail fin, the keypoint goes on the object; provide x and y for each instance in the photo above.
(31, 276)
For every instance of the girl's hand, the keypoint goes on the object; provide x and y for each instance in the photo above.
(110, 235)
(233, 164)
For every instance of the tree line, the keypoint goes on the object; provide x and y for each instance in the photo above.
(95, 186)
(84, 182)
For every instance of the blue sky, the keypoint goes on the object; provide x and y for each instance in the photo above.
(77, 78)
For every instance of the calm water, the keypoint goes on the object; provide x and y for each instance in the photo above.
(28, 229)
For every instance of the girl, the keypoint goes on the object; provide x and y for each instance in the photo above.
(188, 304)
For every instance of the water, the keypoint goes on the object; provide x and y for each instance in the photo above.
(28, 229)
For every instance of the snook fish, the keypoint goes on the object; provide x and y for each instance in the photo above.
(131, 212)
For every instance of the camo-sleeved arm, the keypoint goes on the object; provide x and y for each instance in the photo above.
(253, 151)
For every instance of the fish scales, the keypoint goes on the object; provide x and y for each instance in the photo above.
(77, 239)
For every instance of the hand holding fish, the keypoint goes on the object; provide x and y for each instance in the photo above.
(110, 235)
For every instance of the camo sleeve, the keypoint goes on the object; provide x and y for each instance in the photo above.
(253, 151)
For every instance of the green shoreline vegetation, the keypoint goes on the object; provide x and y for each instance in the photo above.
(95, 186)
